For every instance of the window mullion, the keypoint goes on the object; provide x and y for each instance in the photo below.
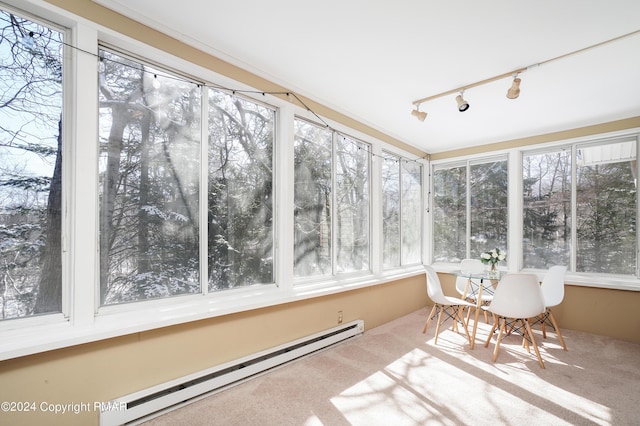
(204, 191)
(574, 207)
(637, 209)
(83, 213)
(334, 210)
(468, 211)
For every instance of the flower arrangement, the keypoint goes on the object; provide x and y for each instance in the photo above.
(493, 257)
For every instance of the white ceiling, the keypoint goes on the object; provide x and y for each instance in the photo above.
(370, 59)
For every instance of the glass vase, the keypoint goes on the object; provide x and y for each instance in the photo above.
(493, 273)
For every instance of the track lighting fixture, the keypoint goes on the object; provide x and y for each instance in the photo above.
(514, 90)
(420, 115)
(462, 104)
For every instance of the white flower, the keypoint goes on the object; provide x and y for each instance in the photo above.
(493, 256)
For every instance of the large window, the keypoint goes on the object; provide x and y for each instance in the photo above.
(31, 148)
(352, 205)
(546, 227)
(150, 168)
(401, 211)
(450, 214)
(604, 208)
(325, 218)
(240, 195)
(312, 200)
(149, 181)
(488, 192)
(470, 209)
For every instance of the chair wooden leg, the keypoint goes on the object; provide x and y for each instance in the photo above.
(533, 342)
(433, 310)
(498, 339)
(543, 327)
(525, 341)
(435, 342)
(459, 316)
(493, 329)
(555, 325)
(454, 326)
(475, 326)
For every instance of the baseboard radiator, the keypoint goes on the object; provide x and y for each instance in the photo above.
(145, 404)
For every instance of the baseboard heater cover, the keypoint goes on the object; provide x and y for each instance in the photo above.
(135, 406)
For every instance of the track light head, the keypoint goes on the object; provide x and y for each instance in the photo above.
(420, 115)
(514, 90)
(462, 104)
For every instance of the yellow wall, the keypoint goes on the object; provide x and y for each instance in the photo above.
(104, 370)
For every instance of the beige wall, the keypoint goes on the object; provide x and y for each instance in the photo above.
(108, 369)
(104, 370)
(595, 129)
(594, 310)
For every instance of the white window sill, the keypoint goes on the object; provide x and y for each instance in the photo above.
(21, 337)
(607, 281)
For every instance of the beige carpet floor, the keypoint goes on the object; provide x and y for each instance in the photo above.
(395, 375)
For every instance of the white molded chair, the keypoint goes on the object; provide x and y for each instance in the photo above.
(517, 298)
(443, 303)
(553, 294)
(468, 287)
(469, 267)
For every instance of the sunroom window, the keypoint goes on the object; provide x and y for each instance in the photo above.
(401, 211)
(606, 208)
(240, 192)
(597, 209)
(331, 227)
(352, 205)
(546, 227)
(470, 209)
(31, 155)
(149, 136)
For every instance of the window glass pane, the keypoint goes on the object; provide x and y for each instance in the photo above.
(401, 211)
(449, 214)
(352, 203)
(411, 212)
(606, 208)
(312, 200)
(489, 217)
(240, 193)
(546, 227)
(30, 167)
(391, 211)
(149, 182)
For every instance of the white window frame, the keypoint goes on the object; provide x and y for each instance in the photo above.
(335, 275)
(467, 163)
(616, 281)
(514, 254)
(82, 320)
(420, 162)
